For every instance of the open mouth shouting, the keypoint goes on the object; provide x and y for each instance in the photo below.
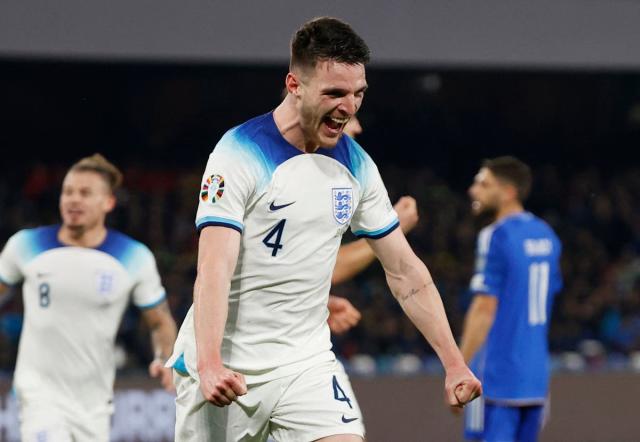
(335, 125)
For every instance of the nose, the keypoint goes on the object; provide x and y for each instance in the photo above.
(349, 105)
(471, 190)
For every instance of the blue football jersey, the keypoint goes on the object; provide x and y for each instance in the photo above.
(518, 261)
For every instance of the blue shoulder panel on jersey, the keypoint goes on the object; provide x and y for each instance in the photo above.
(263, 141)
(125, 249)
(261, 137)
(380, 233)
(218, 221)
(39, 240)
(351, 155)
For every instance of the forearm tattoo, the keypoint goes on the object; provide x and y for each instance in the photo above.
(411, 293)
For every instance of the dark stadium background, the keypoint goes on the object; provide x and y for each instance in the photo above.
(428, 126)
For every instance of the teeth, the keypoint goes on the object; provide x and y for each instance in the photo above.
(339, 120)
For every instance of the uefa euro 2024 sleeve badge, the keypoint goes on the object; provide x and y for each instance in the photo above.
(212, 189)
(342, 204)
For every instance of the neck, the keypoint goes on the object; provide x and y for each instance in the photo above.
(287, 120)
(509, 209)
(82, 237)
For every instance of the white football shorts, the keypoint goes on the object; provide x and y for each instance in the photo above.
(315, 403)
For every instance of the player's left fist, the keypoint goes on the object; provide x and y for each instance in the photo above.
(165, 375)
(342, 315)
(461, 386)
(407, 210)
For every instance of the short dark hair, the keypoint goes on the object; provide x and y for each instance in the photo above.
(99, 164)
(512, 170)
(327, 38)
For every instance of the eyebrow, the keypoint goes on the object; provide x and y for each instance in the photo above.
(337, 90)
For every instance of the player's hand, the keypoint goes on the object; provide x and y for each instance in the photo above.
(221, 386)
(407, 211)
(342, 315)
(158, 370)
(461, 387)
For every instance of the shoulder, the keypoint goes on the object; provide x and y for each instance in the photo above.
(351, 155)
(548, 231)
(487, 237)
(530, 222)
(256, 143)
(36, 240)
(125, 249)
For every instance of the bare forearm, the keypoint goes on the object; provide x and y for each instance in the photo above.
(210, 316)
(163, 337)
(417, 294)
(352, 259)
(477, 324)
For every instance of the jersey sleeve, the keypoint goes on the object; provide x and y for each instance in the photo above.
(10, 271)
(148, 291)
(227, 184)
(374, 217)
(489, 273)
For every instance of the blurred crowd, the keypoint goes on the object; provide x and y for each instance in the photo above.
(596, 214)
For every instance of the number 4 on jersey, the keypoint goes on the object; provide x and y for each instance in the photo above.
(338, 393)
(277, 231)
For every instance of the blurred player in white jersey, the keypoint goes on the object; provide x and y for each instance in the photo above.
(77, 280)
(253, 355)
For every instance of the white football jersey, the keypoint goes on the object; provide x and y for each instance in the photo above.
(74, 299)
(291, 209)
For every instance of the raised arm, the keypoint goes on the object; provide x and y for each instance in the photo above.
(163, 334)
(217, 257)
(412, 285)
(354, 257)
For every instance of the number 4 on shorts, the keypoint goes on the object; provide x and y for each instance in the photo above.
(338, 393)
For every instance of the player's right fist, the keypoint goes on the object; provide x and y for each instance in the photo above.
(461, 386)
(221, 386)
(407, 211)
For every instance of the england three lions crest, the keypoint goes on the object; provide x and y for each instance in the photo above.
(342, 204)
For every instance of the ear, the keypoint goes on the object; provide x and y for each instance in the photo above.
(110, 204)
(511, 192)
(292, 84)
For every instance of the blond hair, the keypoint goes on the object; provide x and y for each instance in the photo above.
(103, 167)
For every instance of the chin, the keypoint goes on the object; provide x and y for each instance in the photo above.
(329, 143)
(73, 225)
(485, 215)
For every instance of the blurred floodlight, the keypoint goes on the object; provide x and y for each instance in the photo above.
(407, 364)
(363, 365)
(573, 361)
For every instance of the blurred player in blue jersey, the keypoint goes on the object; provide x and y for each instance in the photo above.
(253, 356)
(505, 331)
(77, 280)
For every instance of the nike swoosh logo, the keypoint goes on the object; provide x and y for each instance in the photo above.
(346, 420)
(274, 207)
